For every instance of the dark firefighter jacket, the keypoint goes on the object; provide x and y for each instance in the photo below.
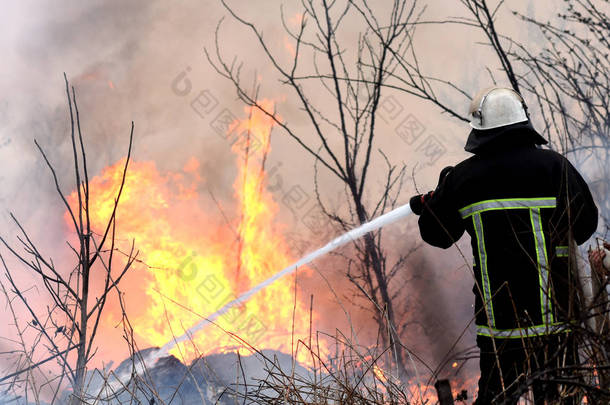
(520, 205)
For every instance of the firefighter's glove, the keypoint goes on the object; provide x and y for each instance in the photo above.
(418, 202)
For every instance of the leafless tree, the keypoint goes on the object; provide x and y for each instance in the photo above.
(338, 85)
(565, 78)
(64, 330)
(570, 80)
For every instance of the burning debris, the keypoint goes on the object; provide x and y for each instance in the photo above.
(213, 379)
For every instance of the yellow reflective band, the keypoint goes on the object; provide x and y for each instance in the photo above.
(487, 303)
(562, 251)
(508, 204)
(542, 264)
(532, 331)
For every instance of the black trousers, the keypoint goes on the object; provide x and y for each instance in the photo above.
(523, 363)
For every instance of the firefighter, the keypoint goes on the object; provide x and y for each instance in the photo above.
(523, 207)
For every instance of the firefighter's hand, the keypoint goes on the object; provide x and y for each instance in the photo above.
(417, 202)
(596, 258)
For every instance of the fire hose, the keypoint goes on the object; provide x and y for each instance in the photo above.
(388, 218)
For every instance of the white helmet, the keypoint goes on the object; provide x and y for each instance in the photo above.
(496, 107)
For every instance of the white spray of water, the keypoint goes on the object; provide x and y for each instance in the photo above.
(370, 226)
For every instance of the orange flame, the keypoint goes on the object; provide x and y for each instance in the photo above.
(421, 393)
(379, 373)
(195, 261)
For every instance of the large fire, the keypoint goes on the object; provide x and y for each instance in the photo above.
(196, 258)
